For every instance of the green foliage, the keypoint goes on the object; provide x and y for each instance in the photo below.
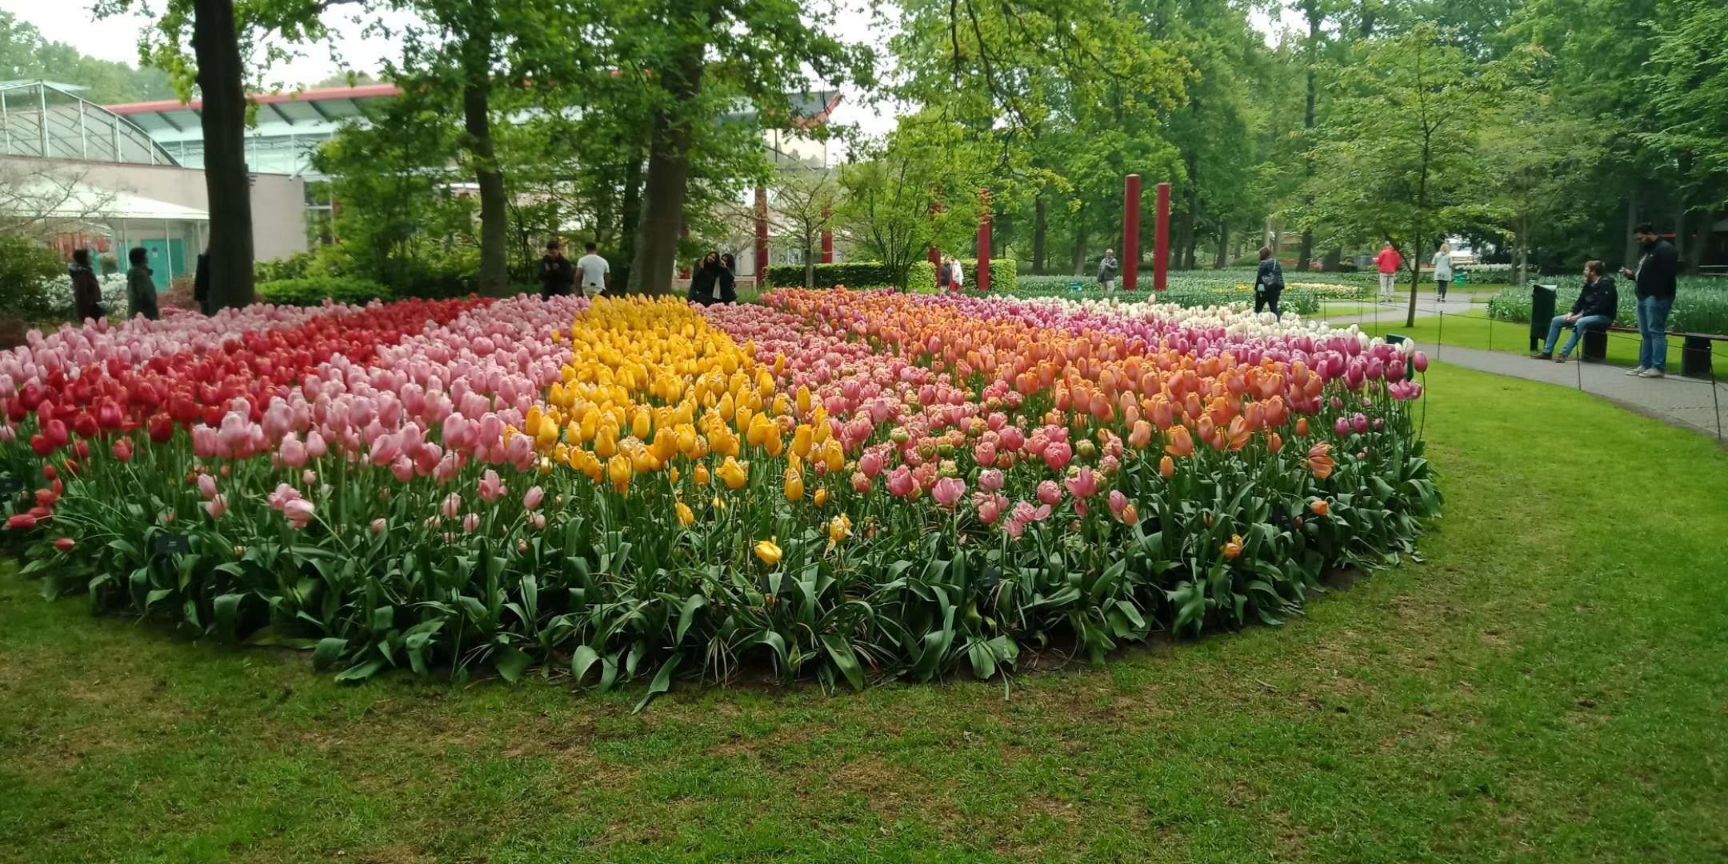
(25, 54)
(315, 290)
(29, 277)
(849, 273)
(1688, 81)
(1700, 305)
(921, 278)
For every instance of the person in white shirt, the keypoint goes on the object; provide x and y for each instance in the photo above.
(595, 274)
(1443, 270)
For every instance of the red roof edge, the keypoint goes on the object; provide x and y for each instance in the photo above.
(364, 91)
(821, 117)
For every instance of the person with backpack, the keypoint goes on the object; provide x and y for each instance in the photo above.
(86, 288)
(1107, 270)
(140, 288)
(1269, 284)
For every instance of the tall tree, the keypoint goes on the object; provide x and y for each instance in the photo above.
(198, 42)
(1398, 160)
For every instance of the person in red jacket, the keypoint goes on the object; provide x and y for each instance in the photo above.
(1389, 261)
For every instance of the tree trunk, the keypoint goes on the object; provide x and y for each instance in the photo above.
(662, 218)
(494, 278)
(1223, 246)
(1308, 115)
(809, 263)
(630, 209)
(1631, 257)
(1079, 246)
(216, 46)
(1040, 234)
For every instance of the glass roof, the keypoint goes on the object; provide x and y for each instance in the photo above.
(50, 121)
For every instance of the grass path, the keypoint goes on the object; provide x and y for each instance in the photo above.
(1548, 686)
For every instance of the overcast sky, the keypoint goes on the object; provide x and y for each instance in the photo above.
(72, 22)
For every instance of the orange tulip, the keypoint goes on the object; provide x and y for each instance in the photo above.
(1180, 444)
(1233, 549)
(1320, 461)
(1320, 507)
(1166, 467)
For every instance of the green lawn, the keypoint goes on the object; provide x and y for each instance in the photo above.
(1473, 331)
(1548, 686)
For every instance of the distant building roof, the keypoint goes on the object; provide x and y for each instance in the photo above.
(50, 121)
(279, 113)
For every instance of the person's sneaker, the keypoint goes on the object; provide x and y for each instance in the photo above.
(1560, 358)
(1541, 355)
(1651, 373)
(1635, 371)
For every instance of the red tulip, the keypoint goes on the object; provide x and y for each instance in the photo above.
(85, 425)
(160, 428)
(65, 544)
(21, 522)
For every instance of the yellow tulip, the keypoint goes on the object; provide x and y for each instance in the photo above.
(619, 471)
(821, 497)
(734, 474)
(803, 401)
(701, 475)
(794, 484)
(839, 528)
(820, 430)
(606, 442)
(545, 432)
(642, 426)
(801, 441)
(685, 517)
(834, 456)
(769, 552)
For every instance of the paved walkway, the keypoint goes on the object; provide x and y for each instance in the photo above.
(1676, 399)
(1427, 306)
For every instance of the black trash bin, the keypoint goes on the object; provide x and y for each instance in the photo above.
(1541, 313)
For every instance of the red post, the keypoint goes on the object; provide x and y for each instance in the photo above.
(827, 236)
(761, 235)
(1131, 234)
(983, 275)
(1161, 243)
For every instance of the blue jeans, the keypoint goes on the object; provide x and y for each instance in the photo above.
(1588, 322)
(1653, 326)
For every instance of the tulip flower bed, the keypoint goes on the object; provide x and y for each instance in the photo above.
(835, 484)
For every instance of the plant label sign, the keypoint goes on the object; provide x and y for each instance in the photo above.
(173, 544)
(11, 488)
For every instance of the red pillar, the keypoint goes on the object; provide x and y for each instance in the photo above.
(761, 235)
(827, 236)
(982, 278)
(1161, 243)
(1131, 234)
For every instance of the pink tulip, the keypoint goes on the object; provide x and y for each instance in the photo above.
(1421, 361)
(378, 526)
(217, 506)
(279, 499)
(452, 506)
(1083, 485)
(533, 498)
(948, 491)
(1118, 502)
(870, 463)
(861, 483)
(308, 477)
(491, 485)
(299, 513)
(292, 453)
(1342, 427)
(471, 523)
(901, 483)
(315, 446)
(448, 468)
(206, 486)
(990, 508)
(1049, 493)
(402, 469)
(539, 521)
(991, 480)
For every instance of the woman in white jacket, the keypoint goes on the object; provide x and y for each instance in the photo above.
(1443, 270)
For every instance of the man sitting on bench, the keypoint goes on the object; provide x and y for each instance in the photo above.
(1597, 305)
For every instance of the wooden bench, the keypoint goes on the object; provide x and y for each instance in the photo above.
(1694, 348)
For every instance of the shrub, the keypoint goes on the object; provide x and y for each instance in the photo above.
(1700, 304)
(921, 278)
(29, 276)
(297, 266)
(314, 291)
(829, 275)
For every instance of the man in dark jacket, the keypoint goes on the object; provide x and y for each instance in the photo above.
(1268, 283)
(557, 274)
(1658, 269)
(1597, 305)
(86, 289)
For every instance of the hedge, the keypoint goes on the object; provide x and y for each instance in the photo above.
(1004, 276)
(850, 273)
(314, 291)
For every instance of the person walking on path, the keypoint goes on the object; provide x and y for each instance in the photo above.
(1595, 309)
(1389, 261)
(557, 277)
(1654, 282)
(1269, 283)
(595, 271)
(1443, 270)
(140, 288)
(1107, 270)
(86, 289)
